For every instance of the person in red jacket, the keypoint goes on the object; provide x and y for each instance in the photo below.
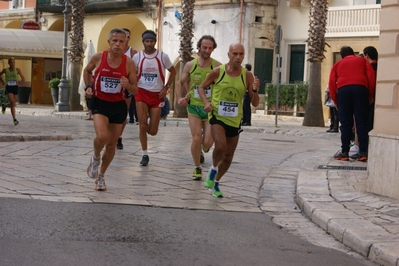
(352, 86)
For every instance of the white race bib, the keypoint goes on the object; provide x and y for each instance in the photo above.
(208, 92)
(110, 85)
(229, 109)
(12, 82)
(150, 79)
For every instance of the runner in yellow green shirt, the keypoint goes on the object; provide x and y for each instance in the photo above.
(230, 82)
(193, 74)
(11, 82)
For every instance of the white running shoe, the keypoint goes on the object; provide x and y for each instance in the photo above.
(92, 169)
(354, 148)
(100, 183)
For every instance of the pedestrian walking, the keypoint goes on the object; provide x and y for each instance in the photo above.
(351, 86)
(231, 81)
(194, 73)
(151, 65)
(11, 82)
(114, 73)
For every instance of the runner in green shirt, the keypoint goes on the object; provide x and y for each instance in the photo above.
(11, 82)
(230, 82)
(193, 74)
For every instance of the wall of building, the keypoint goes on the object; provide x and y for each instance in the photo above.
(383, 160)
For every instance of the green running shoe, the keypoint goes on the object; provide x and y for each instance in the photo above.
(197, 173)
(216, 192)
(210, 179)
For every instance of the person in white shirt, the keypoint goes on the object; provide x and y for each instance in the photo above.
(151, 68)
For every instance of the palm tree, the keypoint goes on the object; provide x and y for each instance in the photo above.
(316, 44)
(76, 51)
(186, 47)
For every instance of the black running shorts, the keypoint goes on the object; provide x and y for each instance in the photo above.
(115, 111)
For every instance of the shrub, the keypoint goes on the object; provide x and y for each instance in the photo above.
(54, 83)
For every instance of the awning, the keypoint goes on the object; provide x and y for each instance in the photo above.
(31, 43)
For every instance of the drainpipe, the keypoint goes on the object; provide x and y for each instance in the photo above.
(241, 18)
(159, 23)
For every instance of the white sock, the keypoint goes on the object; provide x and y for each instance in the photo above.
(214, 168)
(145, 152)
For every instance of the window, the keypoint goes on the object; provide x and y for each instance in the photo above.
(17, 4)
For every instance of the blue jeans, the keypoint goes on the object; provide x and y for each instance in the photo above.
(353, 103)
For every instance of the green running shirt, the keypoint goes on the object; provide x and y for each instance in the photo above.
(11, 77)
(197, 76)
(227, 97)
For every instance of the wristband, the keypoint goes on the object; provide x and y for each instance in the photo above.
(255, 90)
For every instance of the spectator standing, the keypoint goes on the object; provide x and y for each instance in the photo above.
(351, 86)
(371, 54)
(246, 115)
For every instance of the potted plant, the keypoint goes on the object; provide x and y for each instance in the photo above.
(53, 85)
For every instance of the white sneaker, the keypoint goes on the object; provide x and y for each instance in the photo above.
(354, 148)
(100, 183)
(92, 169)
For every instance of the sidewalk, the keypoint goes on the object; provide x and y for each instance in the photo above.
(330, 193)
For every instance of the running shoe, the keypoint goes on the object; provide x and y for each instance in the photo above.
(92, 169)
(202, 159)
(3, 109)
(100, 183)
(119, 144)
(197, 173)
(354, 148)
(342, 156)
(360, 156)
(210, 179)
(16, 122)
(144, 160)
(205, 149)
(216, 192)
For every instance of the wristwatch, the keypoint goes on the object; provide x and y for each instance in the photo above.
(255, 90)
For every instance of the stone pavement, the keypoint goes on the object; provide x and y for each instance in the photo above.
(283, 171)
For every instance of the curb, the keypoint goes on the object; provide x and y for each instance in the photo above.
(314, 198)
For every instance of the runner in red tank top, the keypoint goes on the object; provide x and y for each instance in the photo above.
(114, 73)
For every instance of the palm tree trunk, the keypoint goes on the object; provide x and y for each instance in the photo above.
(186, 47)
(314, 109)
(316, 43)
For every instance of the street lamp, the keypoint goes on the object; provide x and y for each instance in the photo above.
(63, 99)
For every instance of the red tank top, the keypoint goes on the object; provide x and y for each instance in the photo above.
(107, 86)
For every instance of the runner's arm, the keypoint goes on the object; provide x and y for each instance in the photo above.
(209, 80)
(88, 73)
(184, 88)
(252, 87)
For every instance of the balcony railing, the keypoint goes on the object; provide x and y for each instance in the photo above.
(351, 21)
(57, 6)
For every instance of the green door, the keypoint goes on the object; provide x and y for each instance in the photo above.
(263, 68)
(297, 63)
